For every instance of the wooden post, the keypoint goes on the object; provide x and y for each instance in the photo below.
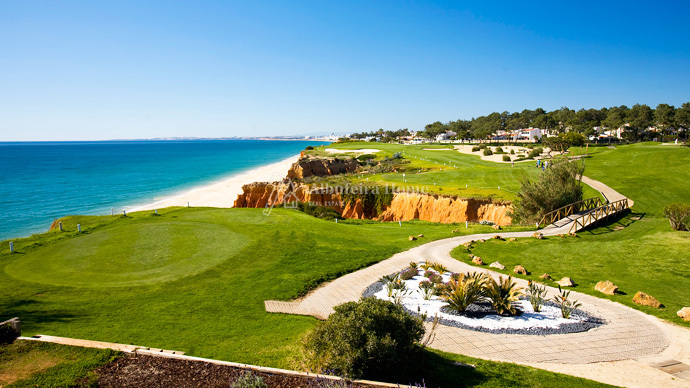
(79, 227)
(11, 247)
(60, 226)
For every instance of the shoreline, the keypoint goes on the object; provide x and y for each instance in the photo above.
(221, 193)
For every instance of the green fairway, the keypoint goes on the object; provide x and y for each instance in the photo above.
(645, 255)
(448, 172)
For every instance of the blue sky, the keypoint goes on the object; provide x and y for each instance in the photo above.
(83, 70)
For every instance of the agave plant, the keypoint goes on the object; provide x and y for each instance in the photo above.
(536, 295)
(566, 305)
(503, 295)
(414, 264)
(392, 283)
(463, 292)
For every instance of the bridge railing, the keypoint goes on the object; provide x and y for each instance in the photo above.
(567, 210)
(599, 213)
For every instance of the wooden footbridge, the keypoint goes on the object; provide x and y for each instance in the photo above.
(581, 214)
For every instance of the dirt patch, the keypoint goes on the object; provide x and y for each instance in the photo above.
(24, 366)
(151, 371)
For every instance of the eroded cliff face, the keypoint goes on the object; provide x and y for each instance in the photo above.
(441, 209)
(403, 207)
(307, 167)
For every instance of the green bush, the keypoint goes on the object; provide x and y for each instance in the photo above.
(535, 153)
(7, 333)
(366, 157)
(248, 380)
(506, 158)
(512, 151)
(482, 146)
(559, 185)
(475, 149)
(487, 152)
(322, 212)
(678, 215)
(366, 339)
(309, 148)
(499, 150)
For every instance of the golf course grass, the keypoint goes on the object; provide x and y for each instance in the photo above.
(206, 296)
(645, 254)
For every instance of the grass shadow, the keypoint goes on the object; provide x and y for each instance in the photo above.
(614, 223)
(31, 313)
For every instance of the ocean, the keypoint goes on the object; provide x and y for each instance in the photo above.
(42, 181)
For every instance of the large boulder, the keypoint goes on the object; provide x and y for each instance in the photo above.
(606, 287)
(496, 227)
(512, 239)
(566, 282)
(477, 260)
(684, 313)
(498, 265)
(545, 276)
(646, 300)
(520, 270)
(10, 330)
(538, 235)
(412, 238)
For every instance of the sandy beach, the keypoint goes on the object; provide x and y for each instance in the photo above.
(222, 193)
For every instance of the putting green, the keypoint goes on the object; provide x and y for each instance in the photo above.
(130, 255)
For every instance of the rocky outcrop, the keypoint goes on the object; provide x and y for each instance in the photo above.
(263, 194)
(498, 265)
(434, 208)
(307, 167)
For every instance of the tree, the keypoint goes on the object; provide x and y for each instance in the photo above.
(664, 116)
(558, 186)
(682, 119)
(640, 118)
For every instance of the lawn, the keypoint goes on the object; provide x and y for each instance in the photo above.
(646, 255)
(195, 280)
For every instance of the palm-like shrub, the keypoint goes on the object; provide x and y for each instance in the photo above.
(463, 292)
(503, 295)
(438, 267)
(426, 288)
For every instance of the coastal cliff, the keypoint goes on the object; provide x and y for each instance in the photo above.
(307, 167)
(403, 206)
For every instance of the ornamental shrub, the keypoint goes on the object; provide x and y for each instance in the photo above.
(506, 158)
(408, 273)
(367, 339)
(487, 152)
(499, 150)
(309, 148)
(248, 380)
(475, 149)
(512, 151)
(678, 215)
(482, 146)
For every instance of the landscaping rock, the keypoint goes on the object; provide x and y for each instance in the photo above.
(467, 244)
(412, 238)
(561, 235)
(606, 287)
(498, 265)
(538, 235)
(478, 260)
(10, 330)
(566, 282)
(496, 227)
(646, 300)
(545, 276)
(497, 237)
(482, 240)
(512, 239)
(573, 234)
(455, 231)
(684, 313)
(520, 270)
(420, 235)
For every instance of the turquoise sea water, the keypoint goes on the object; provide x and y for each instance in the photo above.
(40, 182)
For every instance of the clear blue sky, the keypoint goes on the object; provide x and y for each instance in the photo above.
(142, 69)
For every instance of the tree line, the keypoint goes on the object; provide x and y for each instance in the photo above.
(636, 119)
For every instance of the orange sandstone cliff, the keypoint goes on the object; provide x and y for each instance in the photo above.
(403, 207)
(306, 167)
